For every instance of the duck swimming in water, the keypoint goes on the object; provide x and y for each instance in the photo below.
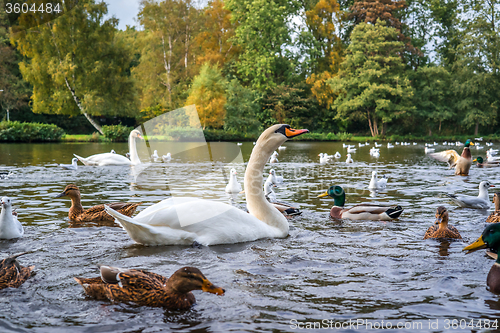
(361, 211)
(495, 216)
(489, 239)
(12, 274)
(441, 229)
(96, 213)
(147, 288)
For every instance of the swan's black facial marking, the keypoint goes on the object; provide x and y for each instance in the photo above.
(282, 129)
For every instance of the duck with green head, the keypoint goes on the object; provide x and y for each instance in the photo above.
(481, 163)
(489, 239)
(462, 163)
(361, 211)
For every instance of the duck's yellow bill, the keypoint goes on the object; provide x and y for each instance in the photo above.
(322, 195)
(210, 288)
(477, 245)
(474, 160)
(472, 144)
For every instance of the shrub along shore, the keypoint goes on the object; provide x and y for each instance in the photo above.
(35, 132)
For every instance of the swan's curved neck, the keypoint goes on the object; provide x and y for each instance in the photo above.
(257, 203)
(132, 149)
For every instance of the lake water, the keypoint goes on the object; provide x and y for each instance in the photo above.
(325, 269)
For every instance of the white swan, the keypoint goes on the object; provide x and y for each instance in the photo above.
(349, 159)
(72, 166)
(10, 227)
(166, 158)
(482, 201)
(377, 184)
(182, 221)
(115, 159)
(275, 179)
(233, 186)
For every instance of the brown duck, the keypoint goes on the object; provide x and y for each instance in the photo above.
(495, 216)
(96, 213)
(12, 274)
(441, 229)
(147, 288)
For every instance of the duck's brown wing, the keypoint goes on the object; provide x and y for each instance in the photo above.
(98, 213)
(94, 287)
(137, 286)
(493, 218)
(12, 274)
(431, 232)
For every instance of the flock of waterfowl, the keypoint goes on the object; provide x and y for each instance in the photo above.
(194, 221)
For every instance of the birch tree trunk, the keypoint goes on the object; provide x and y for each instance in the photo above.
(79, 105)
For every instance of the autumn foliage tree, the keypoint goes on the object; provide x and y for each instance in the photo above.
(215, 38)
(207, 93)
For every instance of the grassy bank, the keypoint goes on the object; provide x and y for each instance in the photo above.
(211, 135)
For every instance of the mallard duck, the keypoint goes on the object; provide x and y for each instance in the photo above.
(233, 186)
(482, 201)
(184, 220)
(361, 211)
(10, 227)
(495, 216)
(441, 229)
(147, 288)
(12, 274)
(462, 163)
(377, 184)
(115, 159)
(72, 166)
(485, 164)
(489, 239)
(96, 213)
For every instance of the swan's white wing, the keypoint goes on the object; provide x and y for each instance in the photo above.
(104, 159)
(449, 156)
(177, 220)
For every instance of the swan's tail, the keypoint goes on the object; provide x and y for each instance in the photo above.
(84, 160)
(151, 235)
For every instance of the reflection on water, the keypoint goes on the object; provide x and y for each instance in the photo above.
(325, 269)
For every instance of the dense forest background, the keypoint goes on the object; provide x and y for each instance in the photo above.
(376, 67)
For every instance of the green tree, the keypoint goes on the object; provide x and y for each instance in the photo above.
(263, 33)
(242, 107)
(14, 92)
(76, 65)
(372, 84)
(207, 93)
(433, 99)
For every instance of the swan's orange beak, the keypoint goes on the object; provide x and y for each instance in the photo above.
(140, 136)
(290, 132)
